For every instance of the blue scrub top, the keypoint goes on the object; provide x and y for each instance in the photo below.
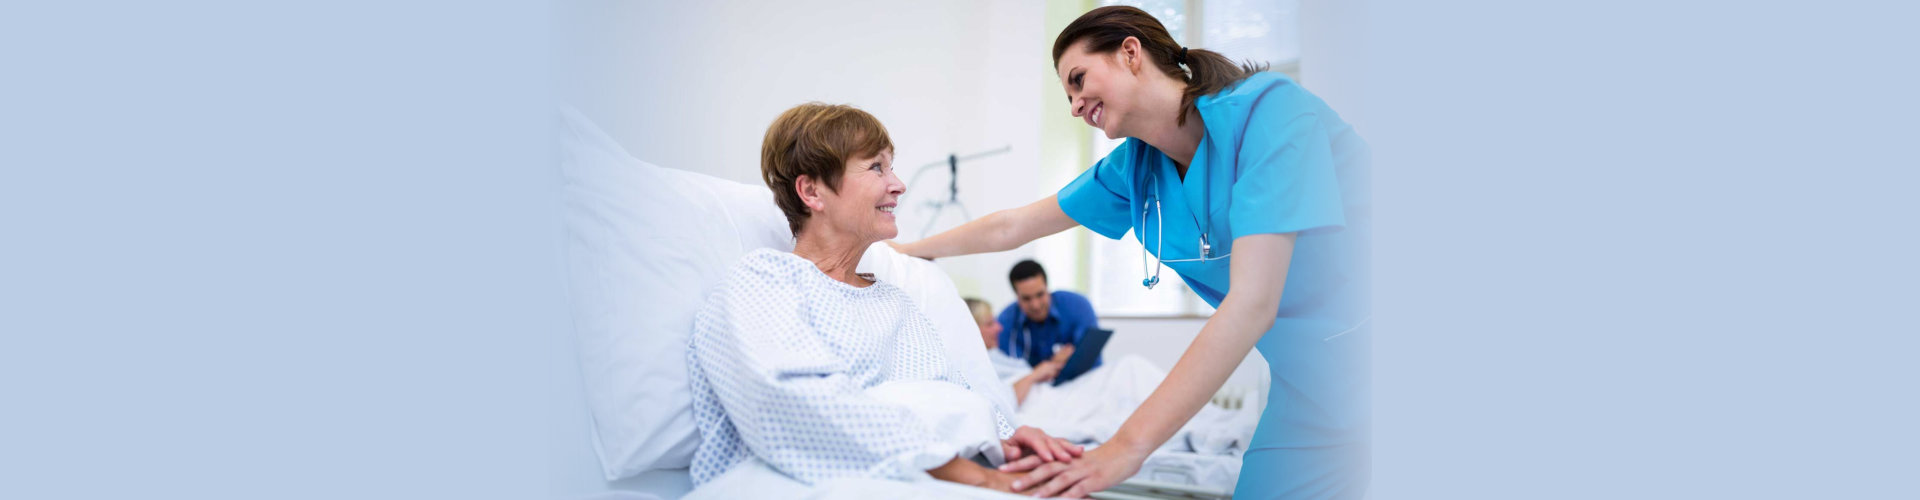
(1274, 159)
(1067, 322)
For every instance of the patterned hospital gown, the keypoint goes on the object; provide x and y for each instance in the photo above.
(779, 361)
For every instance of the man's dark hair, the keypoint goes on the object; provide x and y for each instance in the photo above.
(1026, 269)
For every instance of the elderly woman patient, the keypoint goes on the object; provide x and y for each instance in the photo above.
(785, 349)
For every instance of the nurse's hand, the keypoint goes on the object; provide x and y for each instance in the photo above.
(1094, 471)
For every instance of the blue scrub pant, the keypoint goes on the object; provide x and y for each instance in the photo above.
(1316, 472)
(1314, 438)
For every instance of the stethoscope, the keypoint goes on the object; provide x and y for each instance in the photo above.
(1026, 335)
(1160, 237)
(1026, 348)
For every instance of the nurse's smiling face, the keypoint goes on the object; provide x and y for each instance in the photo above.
(1100, 87)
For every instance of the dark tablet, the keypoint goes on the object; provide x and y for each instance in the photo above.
(1084, 355)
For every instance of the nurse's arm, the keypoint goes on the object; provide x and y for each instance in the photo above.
(1259, 273)
(997, 232)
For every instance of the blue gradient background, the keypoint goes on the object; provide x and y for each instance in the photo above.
(267, 251)
(1644, 250)
(1625, 249)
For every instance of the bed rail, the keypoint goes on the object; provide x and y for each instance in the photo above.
(1149, 490)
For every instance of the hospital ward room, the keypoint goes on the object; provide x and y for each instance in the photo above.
(752, 192)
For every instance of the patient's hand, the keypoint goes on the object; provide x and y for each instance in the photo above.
(1061, 355)
(1044, 371)
(1050, 368)
(1029, 447)
(999, 481)
(963, 471)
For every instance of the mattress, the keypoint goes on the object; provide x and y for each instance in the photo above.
(1208, 473)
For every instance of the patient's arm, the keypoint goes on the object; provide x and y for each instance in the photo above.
(1041, 373)
(1061, 355)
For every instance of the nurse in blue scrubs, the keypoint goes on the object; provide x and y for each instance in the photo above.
(1255, 193)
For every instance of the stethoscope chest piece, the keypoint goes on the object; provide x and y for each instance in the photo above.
(1152, 270)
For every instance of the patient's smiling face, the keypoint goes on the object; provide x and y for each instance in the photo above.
(863, 206)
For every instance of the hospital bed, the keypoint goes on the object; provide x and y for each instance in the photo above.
(643, 245)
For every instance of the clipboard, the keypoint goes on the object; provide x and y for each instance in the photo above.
(1085, 354)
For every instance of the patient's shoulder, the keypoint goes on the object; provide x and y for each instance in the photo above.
(758, 286)
(761, 271)
(771, 263)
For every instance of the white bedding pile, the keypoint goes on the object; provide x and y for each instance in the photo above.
(1091, 408)
(754, 479)
(933, 291)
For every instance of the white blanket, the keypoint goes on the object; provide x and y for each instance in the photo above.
(1091, 408)
(960, 419)
(933, 291)
(753, 479)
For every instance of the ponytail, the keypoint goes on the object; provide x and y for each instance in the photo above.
(1206, 72)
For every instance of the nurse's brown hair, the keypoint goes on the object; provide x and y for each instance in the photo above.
(1105, 28)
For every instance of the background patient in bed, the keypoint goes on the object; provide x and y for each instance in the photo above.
(1089, 409)
(1011, 369)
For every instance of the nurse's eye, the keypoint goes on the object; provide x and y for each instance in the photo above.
(1076, 78)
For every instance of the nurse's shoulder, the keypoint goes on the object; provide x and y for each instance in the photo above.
(1262, 96)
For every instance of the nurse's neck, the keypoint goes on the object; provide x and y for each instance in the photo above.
(1177, 141)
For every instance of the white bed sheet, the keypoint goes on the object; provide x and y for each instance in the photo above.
(1091, 408)
(754, 479)
(1213, 473)
(1205, 453)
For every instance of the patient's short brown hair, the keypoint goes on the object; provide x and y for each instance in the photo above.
(815, 140)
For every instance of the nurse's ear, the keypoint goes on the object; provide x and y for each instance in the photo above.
(1131, 56)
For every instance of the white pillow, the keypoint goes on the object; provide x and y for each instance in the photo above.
(644, 247)
(931, 289)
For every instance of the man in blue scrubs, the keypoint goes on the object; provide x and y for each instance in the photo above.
(1042, 319)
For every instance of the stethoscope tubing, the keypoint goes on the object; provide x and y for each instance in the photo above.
(1160, 237)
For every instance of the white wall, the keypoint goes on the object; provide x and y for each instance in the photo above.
(1334, 56)
(693, 85)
